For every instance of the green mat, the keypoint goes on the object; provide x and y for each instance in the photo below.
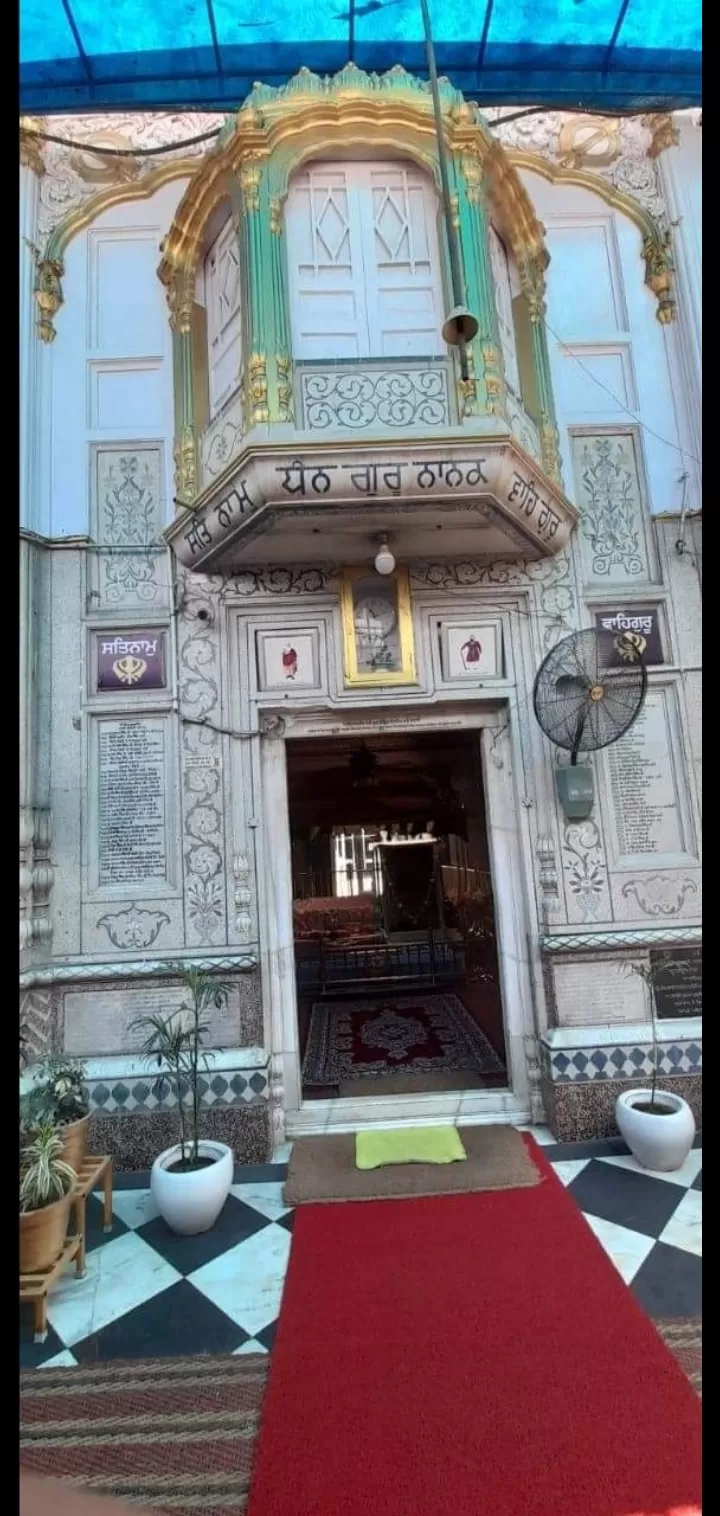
(423, 1144)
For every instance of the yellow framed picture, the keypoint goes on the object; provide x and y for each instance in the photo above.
(377, 628)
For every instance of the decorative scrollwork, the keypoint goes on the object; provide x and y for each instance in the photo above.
(388, 397)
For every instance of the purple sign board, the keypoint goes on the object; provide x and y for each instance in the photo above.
(130, 660)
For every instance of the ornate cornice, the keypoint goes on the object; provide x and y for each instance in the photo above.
(50, 267)
(664, 134)
(31, 153)
(352, 109)
(656, 235)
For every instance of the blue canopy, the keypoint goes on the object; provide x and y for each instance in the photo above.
(81, 55)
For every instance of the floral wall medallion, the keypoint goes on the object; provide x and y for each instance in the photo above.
(128, 522)
(609, 496)
(134, 927)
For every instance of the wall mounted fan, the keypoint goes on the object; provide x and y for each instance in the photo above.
(588, 692)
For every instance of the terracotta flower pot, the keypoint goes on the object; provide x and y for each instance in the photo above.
(42, 1235)
(75, 1142)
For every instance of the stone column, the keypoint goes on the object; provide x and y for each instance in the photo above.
(681, 175)
(486, 392)
(34, 619)
(534, 291)
(181, 295)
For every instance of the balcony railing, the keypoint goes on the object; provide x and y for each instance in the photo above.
(222, 439)
(522, 426)
(394, 395)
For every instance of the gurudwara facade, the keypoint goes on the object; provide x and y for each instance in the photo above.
(247, 747)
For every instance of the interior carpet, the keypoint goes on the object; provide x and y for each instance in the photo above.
(411, 1034)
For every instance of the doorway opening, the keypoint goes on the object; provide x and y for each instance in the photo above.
(396, 962)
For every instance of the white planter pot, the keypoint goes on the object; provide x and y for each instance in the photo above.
(191, 1202)
(660, 1142)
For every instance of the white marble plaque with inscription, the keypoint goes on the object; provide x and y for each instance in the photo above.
(598, 994)
(647, 818)
(131, 807)
(99, 1021)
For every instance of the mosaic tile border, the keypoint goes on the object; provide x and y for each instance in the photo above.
(621, 1061)
(134, 1093)
(136, 968)
(634, 937)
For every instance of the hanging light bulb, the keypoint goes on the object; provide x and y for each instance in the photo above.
(384, 559)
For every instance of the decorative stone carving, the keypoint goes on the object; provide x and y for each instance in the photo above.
(36, 877)
(280, 581)
(71, 174)
(557, 611)
(128, 513)
(393, 398)
(547, 871)
(36, 1021)
(134, 927)
(532, 1058)
(272, 726)
(664, 134)
(222, 440)
(201, 746)
(660, 895)
(617, 150)
(611, 507)
(460, 577)
(243, 896)
(586, 874)
(277, 1099)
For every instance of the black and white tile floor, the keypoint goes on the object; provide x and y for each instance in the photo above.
(147, 1293)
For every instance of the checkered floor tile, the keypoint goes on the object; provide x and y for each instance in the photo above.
(149, 1294)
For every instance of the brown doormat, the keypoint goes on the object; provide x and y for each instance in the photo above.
(323, 1169)
(684, 1339)
(174, 1434)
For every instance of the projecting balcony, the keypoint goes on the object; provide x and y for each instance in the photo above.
(375, 446)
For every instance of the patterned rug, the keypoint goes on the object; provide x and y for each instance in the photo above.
(417, 1034)
(176, 1434)
(684, 1339)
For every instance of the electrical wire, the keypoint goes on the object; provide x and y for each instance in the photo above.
(616, 401)
(121, 152)
(214, 132)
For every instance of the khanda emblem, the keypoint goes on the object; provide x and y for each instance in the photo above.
(630, 646)
(129, 670)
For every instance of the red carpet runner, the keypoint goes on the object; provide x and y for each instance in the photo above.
(473, 1355)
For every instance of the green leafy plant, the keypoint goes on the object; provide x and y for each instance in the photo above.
(44, 1176)
(650, 973)
(175, 1045)
(59, 1095)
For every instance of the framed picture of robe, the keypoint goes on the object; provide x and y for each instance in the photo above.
(288, 660)
(471, 650)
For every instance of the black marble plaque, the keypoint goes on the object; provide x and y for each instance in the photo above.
(630, 627)
(678, 981)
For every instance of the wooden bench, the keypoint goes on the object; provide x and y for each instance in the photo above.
(92, 1170)
(35, 1288)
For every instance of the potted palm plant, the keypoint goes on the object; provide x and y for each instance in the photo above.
(46, 1187)
(58, 1097)
(191, 1180)
(658, 1126)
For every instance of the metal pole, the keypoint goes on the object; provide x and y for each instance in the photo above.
(458, 293)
